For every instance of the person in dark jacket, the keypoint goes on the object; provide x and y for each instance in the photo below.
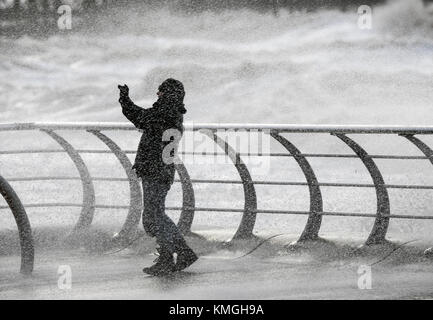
(156, 169)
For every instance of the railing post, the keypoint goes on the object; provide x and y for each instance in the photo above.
(311, 230)
(88, 210)
(380, 227)
(188, 203)
(245, 229)
(136, 198)
(425, 149)
(23, 224)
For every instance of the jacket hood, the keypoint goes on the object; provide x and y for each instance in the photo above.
(172, 96)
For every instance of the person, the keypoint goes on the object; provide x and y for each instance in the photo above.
(157, 172)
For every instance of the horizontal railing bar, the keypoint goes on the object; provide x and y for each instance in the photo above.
(278, 183)
(309, 155)
(48, 205)
(32, 151)
(207, 209)
(304, 128)
(63, 178)
(375, 156)
(96, 151)
(330, 184)
(59, 151)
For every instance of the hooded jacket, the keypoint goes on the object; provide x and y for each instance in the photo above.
(166, 113)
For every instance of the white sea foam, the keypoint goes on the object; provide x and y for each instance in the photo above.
(236, 65)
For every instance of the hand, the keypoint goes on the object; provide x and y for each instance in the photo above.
(124, 91)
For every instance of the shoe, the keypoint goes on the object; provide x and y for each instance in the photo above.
(164, 265)
(185, 258)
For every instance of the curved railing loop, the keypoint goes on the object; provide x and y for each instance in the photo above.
(188, 199)
(380, 227)
(311, 230)
(88, 210)
(23, 224)
(245, 229)
(136, 198)
(425, 149)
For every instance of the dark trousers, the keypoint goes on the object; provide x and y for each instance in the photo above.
(155, 222)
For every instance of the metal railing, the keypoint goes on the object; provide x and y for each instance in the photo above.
(250, 210)
(23, 224)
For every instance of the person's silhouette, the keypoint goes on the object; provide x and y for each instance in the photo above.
(156, 169)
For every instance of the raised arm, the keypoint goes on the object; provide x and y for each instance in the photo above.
(137, 115)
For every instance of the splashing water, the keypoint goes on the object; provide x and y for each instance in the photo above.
(237, 66)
